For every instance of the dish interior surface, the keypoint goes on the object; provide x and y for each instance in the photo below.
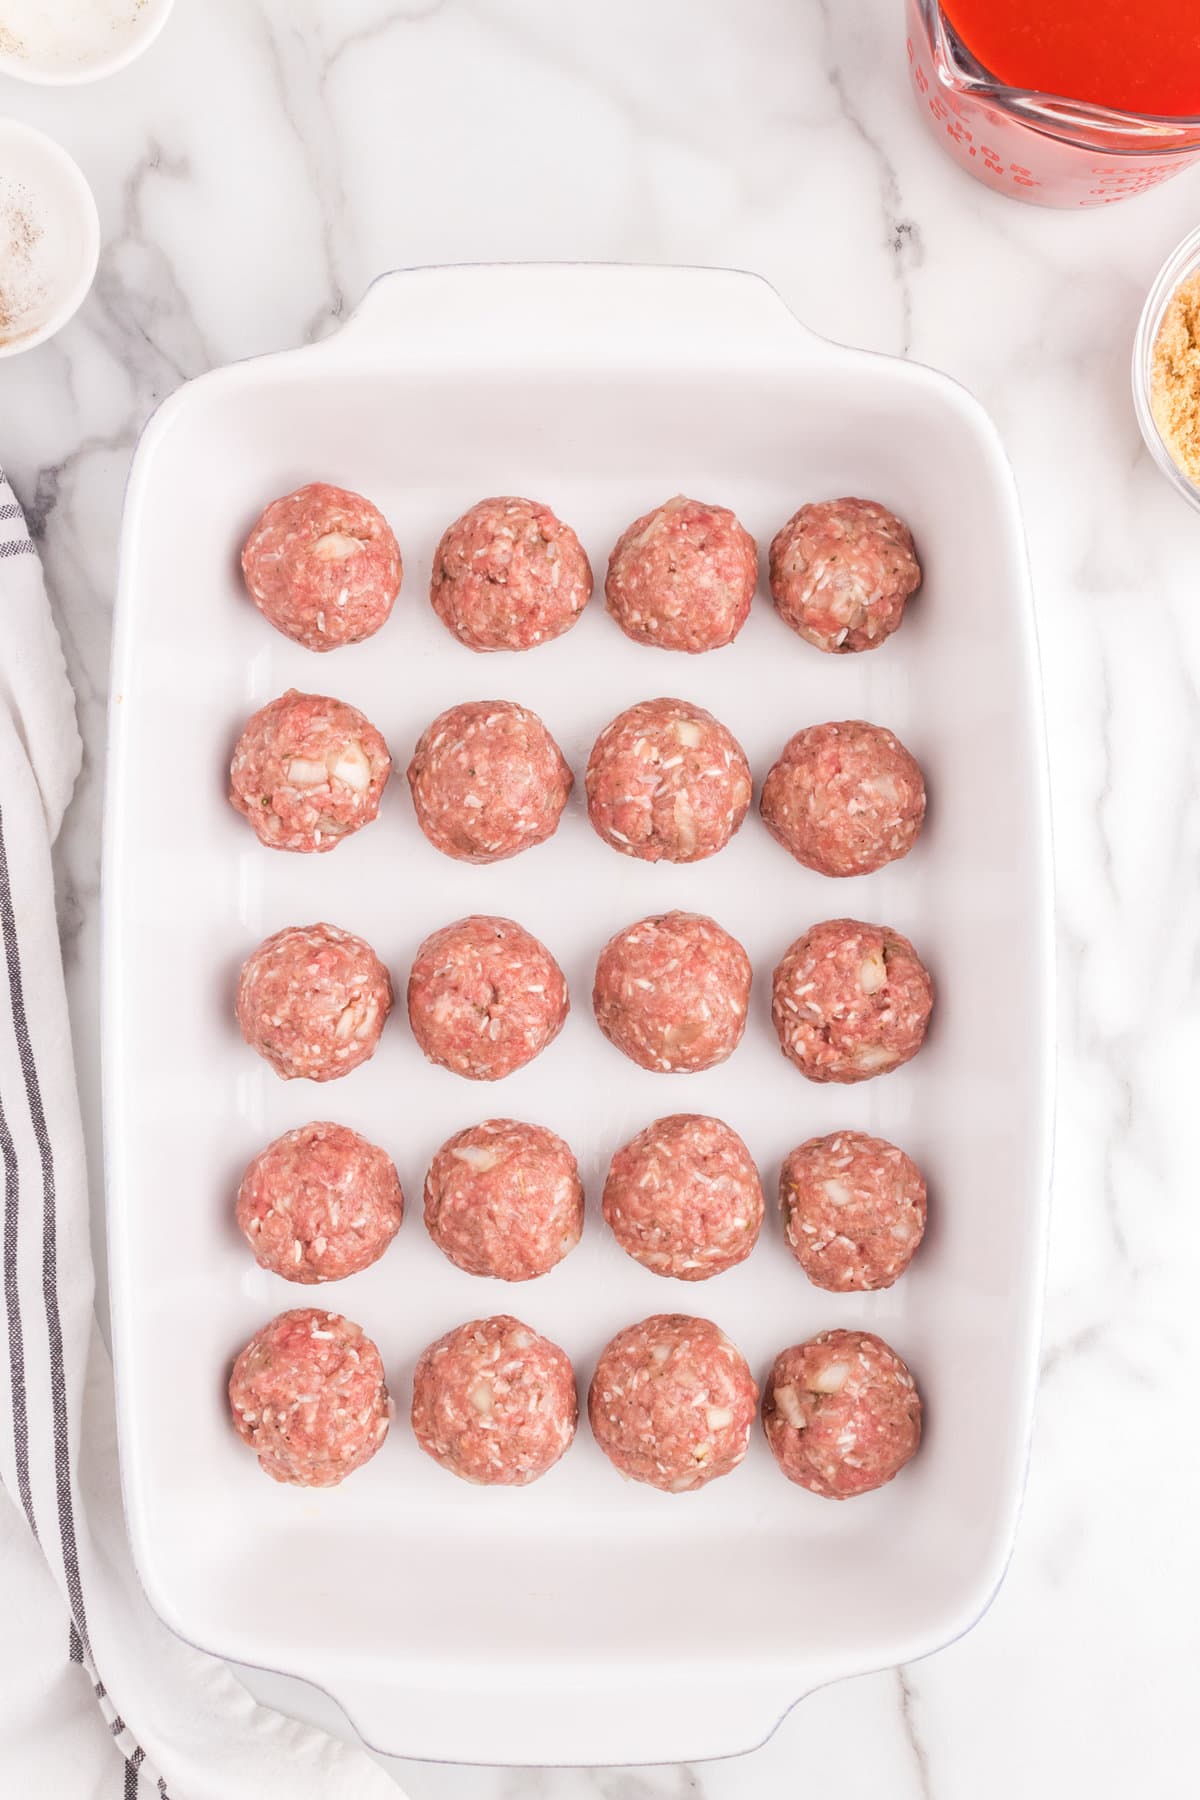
(583, 1618)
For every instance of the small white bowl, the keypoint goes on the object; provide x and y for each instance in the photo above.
(132, 26)
(1183, 261)
(49, 237)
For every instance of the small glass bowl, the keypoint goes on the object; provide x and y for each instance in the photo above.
(1183, 261)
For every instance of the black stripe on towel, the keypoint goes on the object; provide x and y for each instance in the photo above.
(18, 547)
(132, 1765)
(12, 1304)
(12, 511)
(58, 1385)
(74, 1644)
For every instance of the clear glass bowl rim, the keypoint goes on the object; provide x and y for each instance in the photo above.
(1183, 261)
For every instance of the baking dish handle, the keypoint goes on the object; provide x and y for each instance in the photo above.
(557, 313)
(592, 1724)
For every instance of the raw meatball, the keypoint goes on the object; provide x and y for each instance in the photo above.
(841, 571)
(485, 997)
(667, 782)
(672, 992)
(844, 799)
(850, 1000)
(313, 1000)
(683, 1198)
(853, 1210)
(308, 1396)
(308, 771)
(672, 1402)
(682, 577)
(320, 1203)
(495, 1403)
(504, 1199)
(488, 780)
(841, 1413)
(509, 575)
(323, 566)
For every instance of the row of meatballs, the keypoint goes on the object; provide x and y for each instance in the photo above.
(504, 1199)
(323, 566)
(666, 782)
(849, 1000)
(671, 1403)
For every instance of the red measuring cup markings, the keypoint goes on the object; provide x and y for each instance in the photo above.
(1045, 148)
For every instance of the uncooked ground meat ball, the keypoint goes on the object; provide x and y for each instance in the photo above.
(845, 799)
(672, 992)
(667, 782)
(313, 1000)
(488, 780)
(841, 1413)
(841, 572)
(495, 1403)
(682, 577)
(323, 566)
(504, 1199)
(308, 771)
(850, 1000)
(509, 575)
(683, 1197)
(672, 1402)
(308, 1396)
(485, 997)
(320, 1203)
(853, 1210)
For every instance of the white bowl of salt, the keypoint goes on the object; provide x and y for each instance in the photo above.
(60, 43)
(49, 237)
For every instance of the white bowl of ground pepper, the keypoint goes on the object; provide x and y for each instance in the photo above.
(59, 43)
(1166, 369)
(49, 237)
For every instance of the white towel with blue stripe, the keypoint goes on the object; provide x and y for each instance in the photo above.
(97, 1698)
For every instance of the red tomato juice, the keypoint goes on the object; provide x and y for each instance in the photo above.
(1140, 56)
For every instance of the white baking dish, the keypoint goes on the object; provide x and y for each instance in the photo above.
(581, 1620)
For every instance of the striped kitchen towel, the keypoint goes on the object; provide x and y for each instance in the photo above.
(97, 1698)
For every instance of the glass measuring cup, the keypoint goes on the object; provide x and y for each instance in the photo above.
(1037, 147)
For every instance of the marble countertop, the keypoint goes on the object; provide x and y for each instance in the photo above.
(269, 157)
